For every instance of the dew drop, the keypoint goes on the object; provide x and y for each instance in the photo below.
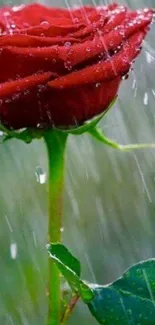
(13, 251)
(145, 10)
(67, 44)
(68, 65)
(13, 26)
(76, 20)
(101, 55)
(40, 175)
(126, 76)
(97, 85)
(44, 23)
(41, 88)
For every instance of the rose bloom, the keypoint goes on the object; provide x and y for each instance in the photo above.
(61, 67)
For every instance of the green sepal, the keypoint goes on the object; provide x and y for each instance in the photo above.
(129, 300)
(26, 135)
(69, 267)
(88, 125)
(98, 135)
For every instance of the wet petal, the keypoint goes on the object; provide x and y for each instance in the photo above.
(119, 64)
(102, 44)
(23, 65)
(115, 19)
(86, 51)
(58, 107)
(46, 29)
(90, 29)
(26, 13)
(19, 85)
(33, 41)
(79, 53)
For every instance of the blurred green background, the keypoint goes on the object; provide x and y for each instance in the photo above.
(109, 215)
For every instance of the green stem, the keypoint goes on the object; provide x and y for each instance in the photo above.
(56, 143)
(72, 303)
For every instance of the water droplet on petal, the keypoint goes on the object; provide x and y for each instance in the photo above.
(44, 23)
(68, 65)
(13, 26)
(97, 85)
(67, 44)
(41, 88)
(88, 49)
(101, 55)
(76, 20)
(146, 10)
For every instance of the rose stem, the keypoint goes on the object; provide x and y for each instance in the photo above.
(55, 143)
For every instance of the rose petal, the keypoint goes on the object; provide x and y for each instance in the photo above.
(84, 13)
(79, 53)
(102, 44)
(113, 6)
(19, 85)
(90, 29)
(33, 41)
(60, 58)
(116, 18)
(58, 107)
(26, 12)
(119, 64)
(50, 30)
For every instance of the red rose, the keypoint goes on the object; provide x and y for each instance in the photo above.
(61, 67)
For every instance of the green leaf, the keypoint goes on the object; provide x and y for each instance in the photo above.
(69, 266)
(98, 135)
(60, 251)
(129, 300)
